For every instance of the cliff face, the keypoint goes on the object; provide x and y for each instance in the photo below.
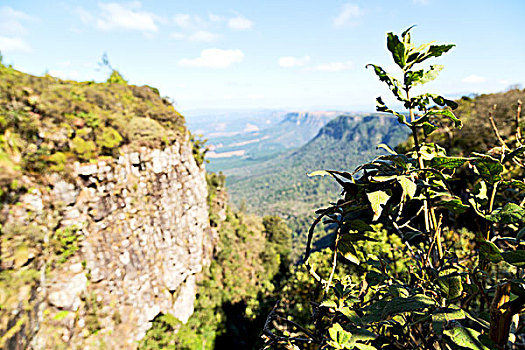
(142, 227)
(97, 244)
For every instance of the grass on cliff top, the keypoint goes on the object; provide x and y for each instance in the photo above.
(47, 123)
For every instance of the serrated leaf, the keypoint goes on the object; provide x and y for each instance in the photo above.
(516, 258)
(489, 168)
(421, 76)
(394, 84)
(377, 200)
(397, 48)
(510, 214)
(466, 338)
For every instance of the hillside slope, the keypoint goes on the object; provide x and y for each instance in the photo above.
(281, 187)
(253, 147)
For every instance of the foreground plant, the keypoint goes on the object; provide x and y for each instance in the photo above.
(455, 289)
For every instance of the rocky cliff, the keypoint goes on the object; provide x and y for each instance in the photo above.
(94, 249)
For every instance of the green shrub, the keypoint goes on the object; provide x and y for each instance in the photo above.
(108, 138)
(58, 162)
(85, 150)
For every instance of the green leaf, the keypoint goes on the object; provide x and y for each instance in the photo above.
(429, 128)
(442, 316)
(520, 234)
(421, 77)
(422, 101)
(432, 51)
(401, 305)
(351, 315)
(518, 151)
(318, 173)
(450, 283)
(454, 205)
(386, 148)
(445, 113)
(347, 250)
(489, 251)
(409, 187)
(489, 168)
(447, 162)
(381, 107)
(341, 339)
(329, 303)
(394, 84)
(466, 338)
(377, 200)
(397, 48)
(510, 214)
(516, 258)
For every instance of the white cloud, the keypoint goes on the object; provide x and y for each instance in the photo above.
(334, 66)
(214, 58)
(183, 20)
(214, 18)
(289, 61)
(474, 79)
(84, 16)
(199, 36)
(240, 23)
(11, 21)
(8, 44)
(348, 12)
(126, 16)
(421, 2)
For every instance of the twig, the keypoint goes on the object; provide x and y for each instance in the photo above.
(518, 129)
(495, 129)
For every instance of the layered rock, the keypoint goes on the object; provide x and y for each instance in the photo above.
(135, 234)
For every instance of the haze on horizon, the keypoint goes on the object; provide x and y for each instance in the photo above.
(273, 55)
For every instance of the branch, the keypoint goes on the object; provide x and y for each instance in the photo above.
(495, 129)
(518, 129)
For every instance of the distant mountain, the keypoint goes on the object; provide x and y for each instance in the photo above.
(259, 144)
(280, 185)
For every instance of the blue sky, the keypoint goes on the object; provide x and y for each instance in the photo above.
(263, 54)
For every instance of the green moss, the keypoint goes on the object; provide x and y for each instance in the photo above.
(57, 162)
(144, 129)
(65, 243)
(108, 138)
(85, 150)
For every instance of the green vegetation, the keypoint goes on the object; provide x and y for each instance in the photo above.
(445, 282)
(281, 186)
(47, 123)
